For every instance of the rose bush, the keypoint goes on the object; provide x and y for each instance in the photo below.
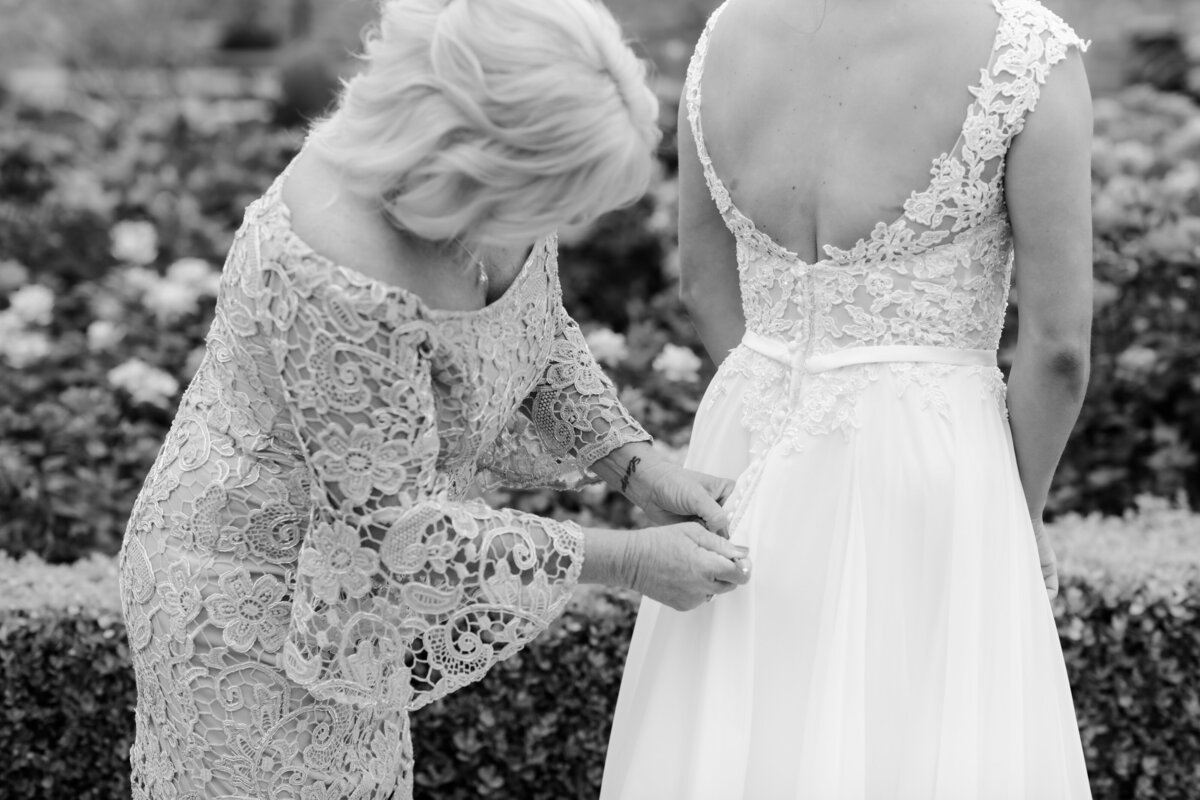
(116, 212)
(110, 226)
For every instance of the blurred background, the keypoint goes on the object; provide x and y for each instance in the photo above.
(134, 132)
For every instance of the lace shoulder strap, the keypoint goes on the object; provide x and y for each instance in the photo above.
(693, 97)
(1030, 41)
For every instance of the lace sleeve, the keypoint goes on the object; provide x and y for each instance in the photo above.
(402, 594)
(572, 420)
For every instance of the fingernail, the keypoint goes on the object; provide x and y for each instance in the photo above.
(742, 550)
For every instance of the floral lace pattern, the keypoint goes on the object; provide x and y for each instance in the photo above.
(301, 568)
(939, 276)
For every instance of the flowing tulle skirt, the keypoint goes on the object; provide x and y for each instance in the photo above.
(896, 641)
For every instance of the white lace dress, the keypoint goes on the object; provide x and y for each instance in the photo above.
(896, 641)
(301, 569)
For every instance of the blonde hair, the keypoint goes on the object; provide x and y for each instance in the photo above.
(495, 121)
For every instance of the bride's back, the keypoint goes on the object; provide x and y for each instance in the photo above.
(821, 135)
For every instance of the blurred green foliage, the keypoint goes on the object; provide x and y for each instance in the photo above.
(187, 155)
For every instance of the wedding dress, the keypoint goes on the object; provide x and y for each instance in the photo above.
(896, 641)
(301, 569)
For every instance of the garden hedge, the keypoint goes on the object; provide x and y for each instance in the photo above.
(536, 727)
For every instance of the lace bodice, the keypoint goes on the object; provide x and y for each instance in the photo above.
(302, 567)
(938, 276)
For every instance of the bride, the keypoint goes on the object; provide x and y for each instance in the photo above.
(879, 171)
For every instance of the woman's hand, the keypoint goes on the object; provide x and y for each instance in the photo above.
(1046, 557)
(672, 494)
(680, 566)
(667, 492)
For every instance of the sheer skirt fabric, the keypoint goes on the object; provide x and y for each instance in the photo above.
(896, 640)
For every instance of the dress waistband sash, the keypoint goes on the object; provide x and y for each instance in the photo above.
(778, 350)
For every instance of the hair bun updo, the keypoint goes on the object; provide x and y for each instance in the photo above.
(495, 121)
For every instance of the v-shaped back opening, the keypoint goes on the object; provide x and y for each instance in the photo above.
(829, 251)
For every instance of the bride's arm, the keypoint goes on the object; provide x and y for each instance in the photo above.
(707, 255)
(1049, 200)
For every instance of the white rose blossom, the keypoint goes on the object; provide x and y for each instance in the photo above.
(1104, 293)
(177, 293)
(1182, 141)
(106, 306)
(10, 324)
(1136, 361)
(170, 300)
(81, 189)
(103, 334)
(140, 280)
(143, 382)
(134, 242)
(1183, 181)
(33, 304)
(13, 275)
(47, 88)
(195, 273)
(607, 346)
(22, 348)
(678, 364)
(1134, 157)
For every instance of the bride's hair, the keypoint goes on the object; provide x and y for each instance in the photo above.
(494, 121)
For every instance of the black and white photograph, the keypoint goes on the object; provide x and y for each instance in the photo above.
(600, 399)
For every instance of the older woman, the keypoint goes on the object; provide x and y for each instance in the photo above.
(303, 566)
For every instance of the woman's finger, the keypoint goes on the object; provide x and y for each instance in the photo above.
(717, 544)
(1050, 577)
(735, 572)
(1049, 562)
(718, 488)
(715, 518)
